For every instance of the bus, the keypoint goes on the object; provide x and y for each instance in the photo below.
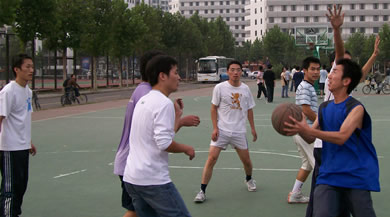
(212, 68)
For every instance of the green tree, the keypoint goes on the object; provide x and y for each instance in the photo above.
(384, 55)
(256, 51)
(96, 31)
(8, 11)
(225, 37)
(127, 28)
(275, 44)
(242, 53)
(355, 45)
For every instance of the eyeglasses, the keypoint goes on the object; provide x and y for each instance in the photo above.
(235, 70)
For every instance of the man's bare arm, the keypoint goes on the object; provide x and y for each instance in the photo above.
(337, 19)
(367, 67)
(214, 116)
(309, 113)
(252, 124)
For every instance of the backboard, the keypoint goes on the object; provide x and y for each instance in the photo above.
(311, 34)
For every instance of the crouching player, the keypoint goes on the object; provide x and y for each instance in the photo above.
(349, 169)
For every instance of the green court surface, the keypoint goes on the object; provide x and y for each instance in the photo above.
(72, 174)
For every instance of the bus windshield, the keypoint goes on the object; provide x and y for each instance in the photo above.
(207, 66)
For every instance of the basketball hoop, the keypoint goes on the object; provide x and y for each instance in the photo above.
(311, 45)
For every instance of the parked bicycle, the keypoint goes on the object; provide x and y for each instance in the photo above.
(70, 97)
(35, 100)
(384, 86)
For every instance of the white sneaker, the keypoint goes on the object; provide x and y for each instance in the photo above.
(251, 184)
(200, 197)
(297, 197)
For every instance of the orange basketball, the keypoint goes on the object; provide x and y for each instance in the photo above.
(281, 114)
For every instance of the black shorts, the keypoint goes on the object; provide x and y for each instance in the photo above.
(127, 202)
(322, 86)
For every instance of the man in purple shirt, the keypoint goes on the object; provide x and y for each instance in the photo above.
(123, 149)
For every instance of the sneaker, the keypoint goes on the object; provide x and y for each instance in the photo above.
(200, 197)
(297, 197)
(251, 184)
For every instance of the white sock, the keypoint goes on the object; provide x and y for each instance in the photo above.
(297, 186)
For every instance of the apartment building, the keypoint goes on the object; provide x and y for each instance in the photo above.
(163, 4)
(232, 12)
(360, 15)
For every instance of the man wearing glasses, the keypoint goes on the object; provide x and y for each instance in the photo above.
(231, 105)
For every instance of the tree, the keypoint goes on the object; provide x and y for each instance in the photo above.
(8, 11)
(275, 43)
(355, 45)
(256, 51)
(126, 29)
(384, 55)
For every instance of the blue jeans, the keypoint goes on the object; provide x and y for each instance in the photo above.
(285, 91)
(157, 200)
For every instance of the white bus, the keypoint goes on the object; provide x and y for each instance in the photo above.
(212, 68)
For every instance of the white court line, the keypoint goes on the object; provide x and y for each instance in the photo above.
(68, 174)
(259, 152)
(235, 168)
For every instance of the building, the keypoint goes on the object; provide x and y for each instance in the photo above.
(232, 12)
(163, 4)
(360, 16)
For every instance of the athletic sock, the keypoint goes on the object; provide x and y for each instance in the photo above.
(248, 177)
(297, 186)
(203, 187)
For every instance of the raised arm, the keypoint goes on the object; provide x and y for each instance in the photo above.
(336, 20)
(367, 67)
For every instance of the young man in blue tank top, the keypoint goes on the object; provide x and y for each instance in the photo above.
(349, 169)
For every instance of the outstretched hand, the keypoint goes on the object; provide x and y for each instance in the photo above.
(189, 121)
(335, 16)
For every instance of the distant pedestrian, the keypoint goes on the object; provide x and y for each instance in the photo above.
(298, 77)
(284, 78)
(260, 83)
(269, 78)
(292, 75)
(15, 136)
(323, 76)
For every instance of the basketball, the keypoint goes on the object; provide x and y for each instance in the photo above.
(281, 114)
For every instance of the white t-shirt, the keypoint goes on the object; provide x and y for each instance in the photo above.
(152, 131)
(323, 75)
(233, 105)
(15, 106)
(328, 94)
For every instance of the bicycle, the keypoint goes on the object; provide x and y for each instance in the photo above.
(35, 100)
(384, 86)
(70, 97)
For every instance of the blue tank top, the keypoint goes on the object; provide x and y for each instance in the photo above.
(354, 164)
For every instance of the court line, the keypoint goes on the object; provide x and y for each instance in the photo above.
(68, 174)
(235, 168)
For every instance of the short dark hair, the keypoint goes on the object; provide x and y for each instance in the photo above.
(332, 55)
(145, 59)
(233, 62)
(351, 70)
(306, 62)
(261, 68)
(297, 68)
(159, 63)
(269, 66)
(18, 60)
(324, 66)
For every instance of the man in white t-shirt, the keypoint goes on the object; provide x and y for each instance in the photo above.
(155, 119)
(231, 105)
(15, 136)
(323, 76)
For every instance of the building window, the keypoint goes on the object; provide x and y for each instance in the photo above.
(385, 6)
(190, 3)
(385, 18)
(307, 19)
(236, 18)
(243, 18)
(362, 18)
(353, 30)
(284, 7)
(376, 30)
(227, 3)
(227, 18)
(293, 19)
(261, 32)
(255, 33)
(182, 4)
(376, 18)
(212, 11)
(261, 21)
(316, 7)
(236, 26)
(375, 6)
(243, 10)
(243, 35)
(363, 30)
(212, 3)
(352, 7)
(271, 8)
(221, 11)
(243, 2)
(236, 35)
(206, 11)
(255, 21)
(271, 20)
(242, 26)
(307, 7)
(292, 31)
(362, 6)
(206, 3)
(236, 10)
(182, 12)
(227, 10)
(293, 7)
(237, 3)
(284, 19)
(191, 11)
(353, 18)
(197, 3)
(261, 10)
(316, 19)
(221, 3)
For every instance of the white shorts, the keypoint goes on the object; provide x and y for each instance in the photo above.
(236, 140)
(306, 152)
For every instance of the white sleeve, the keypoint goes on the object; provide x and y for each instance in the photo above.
(164, 122)
(216, 99)
(5, 103)
(251, 102)
(328, 94)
